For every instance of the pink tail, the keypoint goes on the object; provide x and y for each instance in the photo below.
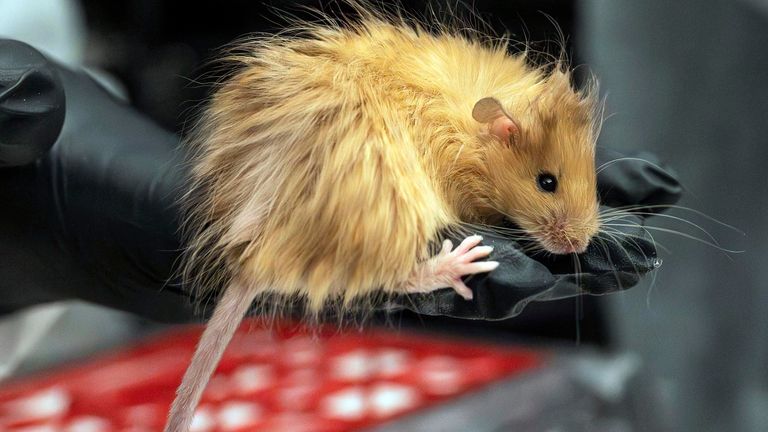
(227, 316)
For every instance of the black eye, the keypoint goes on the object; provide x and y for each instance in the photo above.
(547, 182)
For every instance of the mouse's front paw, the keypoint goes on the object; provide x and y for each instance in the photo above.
(446, 269)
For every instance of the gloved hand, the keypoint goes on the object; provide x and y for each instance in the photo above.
(611, 263)
(94, 218)
(97, 216)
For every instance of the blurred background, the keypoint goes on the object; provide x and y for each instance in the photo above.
(683, 79)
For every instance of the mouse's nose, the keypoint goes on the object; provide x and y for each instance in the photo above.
(566, 245)
(575, 246)
(562, 236)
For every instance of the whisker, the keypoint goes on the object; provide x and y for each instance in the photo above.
(631, 238)
(607, 164)
(632, 208)
(656, 244)
(626, 252)
(654, 276)
(629, 158)
(610, 260)
(699, 227)
(489, 229)
(534, 250)
(650, 290)
(682, 234)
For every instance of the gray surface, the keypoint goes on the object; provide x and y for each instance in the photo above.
(575, 393)
(519, 402)
(689, 80)
(46, 336)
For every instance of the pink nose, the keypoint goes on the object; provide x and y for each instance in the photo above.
(575, 247)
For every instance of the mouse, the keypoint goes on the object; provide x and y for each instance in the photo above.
(329, 160)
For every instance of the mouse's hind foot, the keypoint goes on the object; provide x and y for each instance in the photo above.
(446, 269)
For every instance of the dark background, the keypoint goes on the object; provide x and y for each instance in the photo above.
(157, 48)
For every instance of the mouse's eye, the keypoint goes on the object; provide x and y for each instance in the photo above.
(547, 182)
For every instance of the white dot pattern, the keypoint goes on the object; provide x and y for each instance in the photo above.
(266, 382)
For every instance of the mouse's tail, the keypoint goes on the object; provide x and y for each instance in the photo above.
(226, 318)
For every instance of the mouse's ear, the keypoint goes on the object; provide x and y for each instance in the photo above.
(489, 110)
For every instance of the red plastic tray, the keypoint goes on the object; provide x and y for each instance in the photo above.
(268, 380)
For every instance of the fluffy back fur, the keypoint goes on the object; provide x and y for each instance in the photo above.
(329, 160)
(327, 163)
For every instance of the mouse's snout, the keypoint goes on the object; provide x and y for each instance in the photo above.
(575, 246)
(563, 236)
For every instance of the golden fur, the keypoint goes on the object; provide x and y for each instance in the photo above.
(327, 163)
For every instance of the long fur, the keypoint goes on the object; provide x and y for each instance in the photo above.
(328, 162)
(331, 158)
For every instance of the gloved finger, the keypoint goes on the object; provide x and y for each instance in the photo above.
(638, 181)
(31, 104)
(95, 218)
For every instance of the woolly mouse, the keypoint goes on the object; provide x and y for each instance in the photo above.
(366, 140)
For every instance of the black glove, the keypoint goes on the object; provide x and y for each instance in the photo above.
(31, 104)
(97, 217)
